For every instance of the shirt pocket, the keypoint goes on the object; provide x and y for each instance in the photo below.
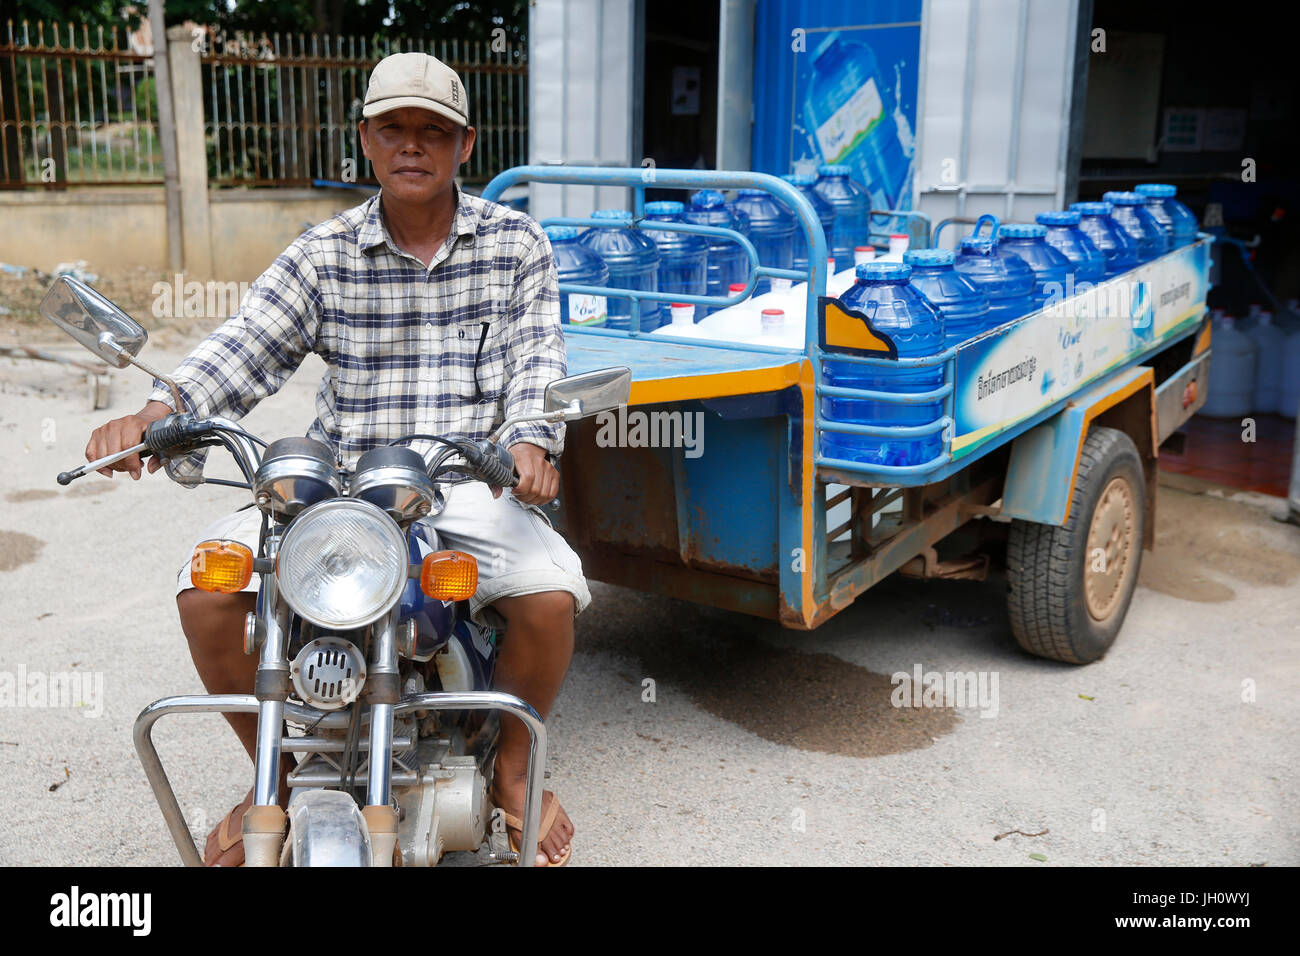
(473, 361)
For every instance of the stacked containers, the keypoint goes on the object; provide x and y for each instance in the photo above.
(965, 309)
(1115, 244)
(1065, 236)
(633, 263)
(825, 214)
(771, 230)
(883, 292)
(1232, 373)
(1130, 211)
(1053, 273)
(1268, 363)
(1289, 403)
(727, 260)
(1178, 222)
(851, 204)
(683, 258)
(575, 262)
(1005, 279)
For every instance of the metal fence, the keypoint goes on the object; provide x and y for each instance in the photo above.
(77, 106)
(283, 109)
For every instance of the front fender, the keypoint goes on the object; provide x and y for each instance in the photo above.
(326, 828)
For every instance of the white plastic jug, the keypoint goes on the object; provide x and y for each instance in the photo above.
(1232, 372)
(1289, 400)
(1268, 363)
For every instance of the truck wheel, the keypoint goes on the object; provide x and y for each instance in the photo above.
(1070, 586)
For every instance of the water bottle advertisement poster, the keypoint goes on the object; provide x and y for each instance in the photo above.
(840, 87)
(1009, 374)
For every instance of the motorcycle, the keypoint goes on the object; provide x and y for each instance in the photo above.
(361, 629)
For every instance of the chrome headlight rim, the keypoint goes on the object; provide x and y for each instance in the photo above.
(390, 591)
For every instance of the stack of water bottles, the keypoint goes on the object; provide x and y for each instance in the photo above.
(1256, 365)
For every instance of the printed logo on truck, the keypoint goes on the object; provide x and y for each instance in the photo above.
(844, 329)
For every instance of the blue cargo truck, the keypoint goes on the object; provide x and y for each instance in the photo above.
(1046, 431)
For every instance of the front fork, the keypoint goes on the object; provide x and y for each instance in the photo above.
(264, 823)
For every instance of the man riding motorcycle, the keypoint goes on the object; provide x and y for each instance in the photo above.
(438, 313)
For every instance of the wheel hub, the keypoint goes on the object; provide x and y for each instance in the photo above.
(1108, 562)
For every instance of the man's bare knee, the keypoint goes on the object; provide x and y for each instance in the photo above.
(208, 618)
(542, 608)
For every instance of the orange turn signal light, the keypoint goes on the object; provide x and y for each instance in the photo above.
(449, 576)
(223, 567)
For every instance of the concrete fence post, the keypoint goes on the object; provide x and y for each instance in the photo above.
(191, 151)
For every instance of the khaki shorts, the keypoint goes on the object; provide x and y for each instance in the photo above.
(517, 550)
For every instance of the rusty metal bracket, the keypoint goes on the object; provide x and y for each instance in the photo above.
(969, 567)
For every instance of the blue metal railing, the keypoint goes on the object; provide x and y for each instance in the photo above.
(639, 179)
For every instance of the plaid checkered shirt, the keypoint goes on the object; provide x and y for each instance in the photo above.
(452, 349)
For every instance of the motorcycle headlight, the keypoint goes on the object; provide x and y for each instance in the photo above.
(342, 563)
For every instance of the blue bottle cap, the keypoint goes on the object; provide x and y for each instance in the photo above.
(1064, 217)
(929, 257)
(611, 214)
(664, 208)
(981, 245)
(1156, 190)
(879, 271)
(1022, 230)
(707, 199)
(834, 169)
(1121, 198)
(1092, 208)
(561, 233)
(800, 179)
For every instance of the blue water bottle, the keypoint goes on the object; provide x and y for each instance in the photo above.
(683, 258)
(1178, 222)
(1134, 218)
(851, 204)
(728, 263)
(849, 113)
(1004, 278)
(1115, 244)
(825, 215)
(965, 309)
(884, 293)
(771, 229)
(1065, 236)
(633, 263)
(575, 262)
(1054, 277)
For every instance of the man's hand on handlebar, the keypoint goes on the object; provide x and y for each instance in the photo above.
(123, 433)
(539, 482)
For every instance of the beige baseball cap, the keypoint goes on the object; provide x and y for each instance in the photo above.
(419, 80)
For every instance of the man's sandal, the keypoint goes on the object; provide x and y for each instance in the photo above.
(225, 840)
(548, 821)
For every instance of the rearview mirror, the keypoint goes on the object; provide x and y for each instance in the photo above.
(597, 391)
(94, 321)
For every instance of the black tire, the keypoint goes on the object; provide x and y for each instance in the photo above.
(1061, 606)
